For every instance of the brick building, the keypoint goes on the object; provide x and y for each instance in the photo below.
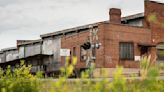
(124, 41)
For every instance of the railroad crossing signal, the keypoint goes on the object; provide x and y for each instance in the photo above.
(86, 46)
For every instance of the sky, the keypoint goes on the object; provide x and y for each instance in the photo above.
(28, 19)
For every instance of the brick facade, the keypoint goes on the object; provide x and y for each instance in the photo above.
(144, 32)
(112, 33)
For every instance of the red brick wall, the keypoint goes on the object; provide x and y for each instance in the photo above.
(157, 28)
(111, 34)
(114, 34)
(76, 40)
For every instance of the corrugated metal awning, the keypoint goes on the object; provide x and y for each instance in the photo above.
(146, 45)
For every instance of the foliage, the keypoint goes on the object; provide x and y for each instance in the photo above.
(152, 18)
(18, 80)
(147, 82)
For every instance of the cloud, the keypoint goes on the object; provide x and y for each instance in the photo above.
(27, 19)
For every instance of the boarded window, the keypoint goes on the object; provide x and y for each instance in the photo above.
(126, 51)
(74, 51)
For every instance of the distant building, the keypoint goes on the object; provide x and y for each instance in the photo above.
(124, 41)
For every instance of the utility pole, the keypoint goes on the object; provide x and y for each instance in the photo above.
(90, 46)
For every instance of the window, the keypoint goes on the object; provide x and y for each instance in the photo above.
(126, 51)
(160, 52)
(74, 51)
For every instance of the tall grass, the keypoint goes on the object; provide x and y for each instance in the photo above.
(148, 81)
(20, 80)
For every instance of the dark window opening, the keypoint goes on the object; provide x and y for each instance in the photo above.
(74, 51)
(144, 50)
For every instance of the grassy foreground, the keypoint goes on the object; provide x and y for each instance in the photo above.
(20, 80)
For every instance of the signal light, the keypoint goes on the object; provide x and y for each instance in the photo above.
(86, 45)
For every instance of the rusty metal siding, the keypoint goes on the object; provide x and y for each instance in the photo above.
(50, 65)
(48, 46)
(11, 55)
(47, 60)
(55, 66)
(2, 57)
(32, 49)
(56, 52)
(37, 68)
(33, 62)
(36, 64)
(21, 52)
(52, 46)
(137, 22)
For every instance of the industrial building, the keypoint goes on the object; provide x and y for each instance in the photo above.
(124, 40)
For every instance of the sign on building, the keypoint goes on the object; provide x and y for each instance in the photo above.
(64, 52)
(137, 58)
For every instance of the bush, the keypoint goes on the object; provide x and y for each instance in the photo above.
(18, 80)
(148, 81)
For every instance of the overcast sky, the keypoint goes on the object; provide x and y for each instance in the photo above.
(28, 19)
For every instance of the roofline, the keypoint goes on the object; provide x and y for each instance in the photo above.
(157, 2)
(76, 29)
(25, 43)
(134, 16)
(8, 49)
(65, 31)
(30, 42)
